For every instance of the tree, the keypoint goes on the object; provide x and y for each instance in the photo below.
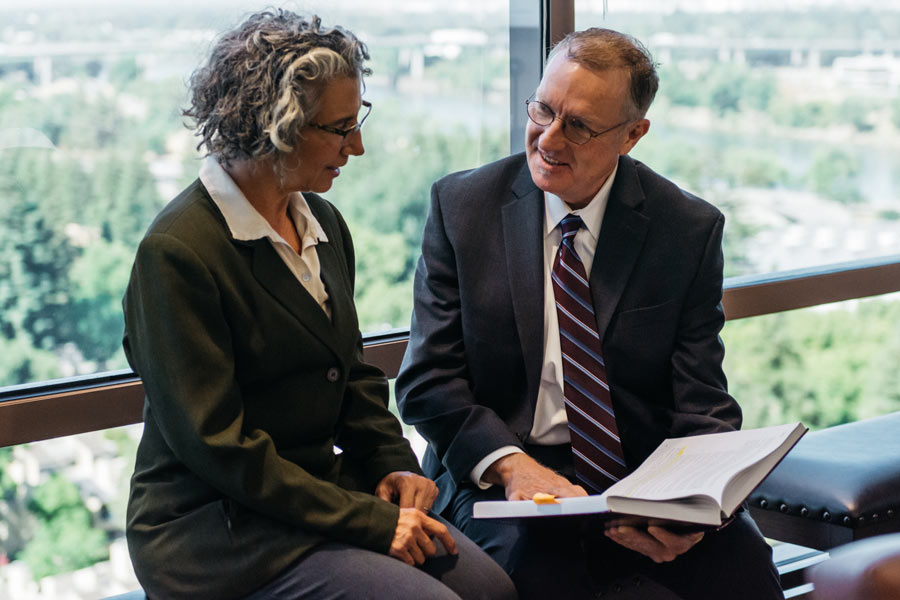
(12, 514)
(99, 277)
(821, 367)
(383, 285)
(35, 256)
(22, 362)
(64, 539)
(677, 88)
(834, 174)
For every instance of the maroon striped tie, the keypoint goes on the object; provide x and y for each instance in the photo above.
(596, 448)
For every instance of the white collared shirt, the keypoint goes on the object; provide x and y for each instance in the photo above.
(245, 223)
(550, 423)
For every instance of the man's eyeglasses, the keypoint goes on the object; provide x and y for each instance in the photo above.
(573, 127)
(364, 111)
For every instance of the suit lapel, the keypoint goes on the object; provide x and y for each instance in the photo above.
(273, 274)
(339, 293)
(619, 244)
(523, 236)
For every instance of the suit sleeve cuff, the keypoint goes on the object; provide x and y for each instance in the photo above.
(487, 461)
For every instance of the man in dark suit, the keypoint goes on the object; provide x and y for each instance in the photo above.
(487, 377)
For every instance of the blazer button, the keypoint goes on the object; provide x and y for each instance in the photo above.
(333, 374)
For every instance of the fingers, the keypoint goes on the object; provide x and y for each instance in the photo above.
(678, 543)
(440, 531)
(412, 541)
(641, 542)
(525, 484)
(418, 492)
(657, 543)
(384, 490)
(408, 490)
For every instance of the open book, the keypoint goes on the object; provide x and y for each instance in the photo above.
(701, 479)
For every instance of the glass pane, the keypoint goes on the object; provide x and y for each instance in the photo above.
(92, 145)
(786, 115)
(824, 366)
(62, 516)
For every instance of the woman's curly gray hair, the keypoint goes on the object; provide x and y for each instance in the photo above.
(263, 81)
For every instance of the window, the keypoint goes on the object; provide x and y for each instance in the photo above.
(93, 145)
(786, 115)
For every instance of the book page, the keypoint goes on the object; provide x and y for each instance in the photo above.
(699, 465)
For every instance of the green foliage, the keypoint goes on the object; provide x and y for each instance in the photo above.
(677, 88)
(64, 539)
(748, 167)
(725, 88)
(822, 367)
(7, 485)
(124, 198)
(818, 113)
(857, 112)
(125, 71)
(383, 284)
(34, 259)
(99, 275)
(834, 173)
(22, 362)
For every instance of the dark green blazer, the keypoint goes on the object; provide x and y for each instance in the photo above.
(249, 389)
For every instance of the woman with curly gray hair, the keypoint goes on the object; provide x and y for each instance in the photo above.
(270, 466)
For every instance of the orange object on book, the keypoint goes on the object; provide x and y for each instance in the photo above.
(542, 498)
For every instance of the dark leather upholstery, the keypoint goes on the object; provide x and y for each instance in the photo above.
(864, 570)
(848, 476)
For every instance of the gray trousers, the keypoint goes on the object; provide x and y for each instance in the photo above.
(334, 571)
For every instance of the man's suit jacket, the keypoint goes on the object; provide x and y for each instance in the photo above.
(249, 388)
(469, 379)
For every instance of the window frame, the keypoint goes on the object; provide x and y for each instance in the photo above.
(68, 407)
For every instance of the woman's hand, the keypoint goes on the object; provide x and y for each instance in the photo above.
(407, 490)
(412, 541)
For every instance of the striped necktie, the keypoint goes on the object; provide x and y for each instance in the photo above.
(596, 448)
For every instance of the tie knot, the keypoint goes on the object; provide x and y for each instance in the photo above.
(570, 225)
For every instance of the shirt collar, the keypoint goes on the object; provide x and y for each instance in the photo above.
(592, 214)
(244, 222)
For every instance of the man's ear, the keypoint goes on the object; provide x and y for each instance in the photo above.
(635, 132)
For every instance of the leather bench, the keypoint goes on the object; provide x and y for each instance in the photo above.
(837, 485)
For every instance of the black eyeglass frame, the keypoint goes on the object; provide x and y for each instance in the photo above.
(345, 132)
(591, 133)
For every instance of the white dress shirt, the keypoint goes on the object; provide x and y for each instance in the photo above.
(550, 423)
(245, 223)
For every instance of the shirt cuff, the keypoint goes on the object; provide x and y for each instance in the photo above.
(487, 461)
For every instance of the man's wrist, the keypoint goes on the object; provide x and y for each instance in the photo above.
(479, 474)
(501, 470)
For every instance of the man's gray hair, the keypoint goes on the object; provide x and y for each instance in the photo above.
(604, 49)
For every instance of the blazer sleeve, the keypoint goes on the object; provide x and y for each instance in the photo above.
(434, 388)
(178, 340)
(699, 387)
